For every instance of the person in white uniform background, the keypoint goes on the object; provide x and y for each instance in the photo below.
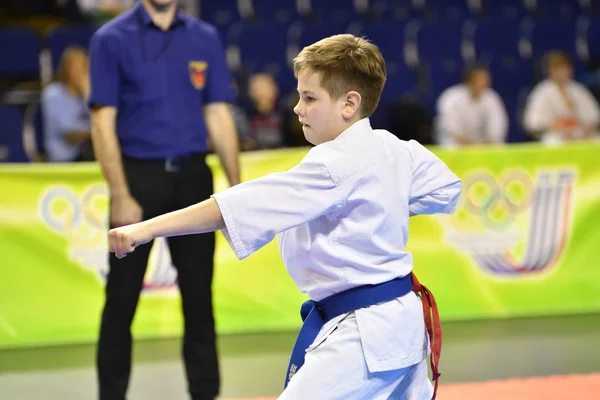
(560, 109)
(471, 112)
(341, 216)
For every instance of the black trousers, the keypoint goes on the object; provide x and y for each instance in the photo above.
(160, 189)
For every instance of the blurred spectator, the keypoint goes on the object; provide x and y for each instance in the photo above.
(242, 126)
(291, 126)
(241, 108)
(409, 119)
(65, 112)
(559, 109)
(104, 10)
(471, 112)
(265, 118)
(190, 7)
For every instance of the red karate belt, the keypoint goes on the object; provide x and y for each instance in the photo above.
(434, 328)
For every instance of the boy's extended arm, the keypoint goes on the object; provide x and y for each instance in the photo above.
(249, 214)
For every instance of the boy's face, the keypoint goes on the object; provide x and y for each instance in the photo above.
(479, 82)
(322, 117)
(560, 72)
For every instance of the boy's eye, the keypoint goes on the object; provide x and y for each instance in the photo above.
(309, 98)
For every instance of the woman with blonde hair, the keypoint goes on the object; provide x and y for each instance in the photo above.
(66, 117)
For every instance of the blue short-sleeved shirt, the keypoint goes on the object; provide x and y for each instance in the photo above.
(159, 81)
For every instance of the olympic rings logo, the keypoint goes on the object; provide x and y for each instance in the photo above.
(497, 202)
(81, 220)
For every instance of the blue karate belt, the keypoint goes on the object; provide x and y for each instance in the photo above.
(316, 314)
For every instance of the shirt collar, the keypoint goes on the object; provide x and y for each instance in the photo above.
(362, 125)
(147, 21)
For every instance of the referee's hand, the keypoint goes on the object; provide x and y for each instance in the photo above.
(124, 210)
(125, 239)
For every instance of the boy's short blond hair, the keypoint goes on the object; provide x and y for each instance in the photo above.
(346, 62)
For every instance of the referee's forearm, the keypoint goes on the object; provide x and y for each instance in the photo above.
(228, 154)
(222, 131)
(108, 151)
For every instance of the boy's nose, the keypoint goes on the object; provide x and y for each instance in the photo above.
(298, 109)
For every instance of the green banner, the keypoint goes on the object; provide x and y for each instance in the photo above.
(522, 242)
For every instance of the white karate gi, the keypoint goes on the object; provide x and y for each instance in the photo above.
(480, 119)
(341, 216)
(546, 103)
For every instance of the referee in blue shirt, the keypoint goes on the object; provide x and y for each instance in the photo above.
(159, 91)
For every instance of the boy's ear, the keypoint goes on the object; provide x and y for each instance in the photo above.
(352, 103)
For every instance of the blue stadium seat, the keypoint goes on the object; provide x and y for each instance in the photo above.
(589, 37)
(443, 74)
(397, 10)
(495, 36)
(400, 80)
(510, 74)
(387, 35)
(517, 131)
(11, 135)
(514, 9)
(312, 32)
(38, 126)
(61, 38)
(552, 33)
(439, 40)
(558, 8)
(440, 56)
(263, 48)
(279, 12)
(334, 11)
(21, 50)
(220, 13)
(448, 9)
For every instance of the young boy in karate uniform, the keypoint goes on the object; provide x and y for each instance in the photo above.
(559, 109)
(341, 216)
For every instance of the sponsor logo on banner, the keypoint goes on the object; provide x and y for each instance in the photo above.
(82, 218)
(513, 223)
